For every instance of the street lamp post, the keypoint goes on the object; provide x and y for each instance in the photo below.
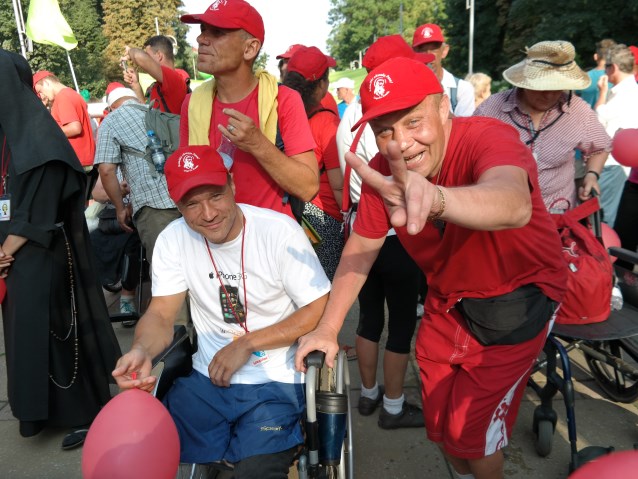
(469, 5)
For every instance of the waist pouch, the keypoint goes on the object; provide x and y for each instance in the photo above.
(511, 318)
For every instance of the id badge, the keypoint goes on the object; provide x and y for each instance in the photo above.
(5, 208)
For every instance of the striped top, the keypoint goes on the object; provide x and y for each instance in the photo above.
(568, 126)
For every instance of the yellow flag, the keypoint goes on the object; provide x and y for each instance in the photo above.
(46, 24)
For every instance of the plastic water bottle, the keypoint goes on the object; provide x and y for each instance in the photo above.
(157, 152)
(616, 299)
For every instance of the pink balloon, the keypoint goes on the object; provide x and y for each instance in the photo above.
(624, 147)
(617, 465)
(133, 437)
(610, 238)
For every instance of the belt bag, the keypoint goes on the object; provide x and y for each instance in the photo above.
(511, 318)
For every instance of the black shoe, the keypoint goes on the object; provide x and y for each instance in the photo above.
(367, 406)
(31, 428)
(75, 438)
(410, 416)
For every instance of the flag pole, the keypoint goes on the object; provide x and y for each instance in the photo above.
(20, 27)
(75, 82)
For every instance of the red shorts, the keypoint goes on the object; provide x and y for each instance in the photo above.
(471, 393)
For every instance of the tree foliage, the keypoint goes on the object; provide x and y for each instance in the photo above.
(503, 28)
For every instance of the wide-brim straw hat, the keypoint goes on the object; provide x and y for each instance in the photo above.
(548, 66)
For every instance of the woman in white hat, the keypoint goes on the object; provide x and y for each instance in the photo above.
(555, 124)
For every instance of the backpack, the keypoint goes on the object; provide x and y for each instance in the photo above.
(166, 128)
(590, 273)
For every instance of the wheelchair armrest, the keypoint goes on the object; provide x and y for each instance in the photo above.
(315, 358)
(624, 254)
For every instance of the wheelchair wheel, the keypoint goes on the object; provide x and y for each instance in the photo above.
(618, 385)
(544, 438)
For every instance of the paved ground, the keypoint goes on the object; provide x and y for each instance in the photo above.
(378, 453)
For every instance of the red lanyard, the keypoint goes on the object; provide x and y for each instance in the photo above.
(243, 324)
(4, 167)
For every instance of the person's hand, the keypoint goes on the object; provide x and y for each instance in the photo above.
(124, 216)
(130, 76)
(5, 263)
(323, 338)
(124, 188)
(227, 361)
(603, 84)
(133, 371)
(408, 196)
(589, 182)
(242, 131)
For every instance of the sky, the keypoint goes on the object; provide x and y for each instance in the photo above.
(286, 22)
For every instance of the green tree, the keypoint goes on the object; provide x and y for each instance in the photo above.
(356, 24)
(132, 22)
(83, 18)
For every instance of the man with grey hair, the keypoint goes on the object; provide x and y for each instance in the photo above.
(616, 111)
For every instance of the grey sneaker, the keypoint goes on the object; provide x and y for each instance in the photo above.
(410, 416)
(367, 406)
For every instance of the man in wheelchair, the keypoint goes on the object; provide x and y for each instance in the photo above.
(255, 286)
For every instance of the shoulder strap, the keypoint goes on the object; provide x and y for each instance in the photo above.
(159, 92)
(453, 91)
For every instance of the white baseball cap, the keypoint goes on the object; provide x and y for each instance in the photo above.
(118, 93)
(343, 82)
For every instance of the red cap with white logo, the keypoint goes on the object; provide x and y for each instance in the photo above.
(395, 85)
(427, 33)
(192, 166)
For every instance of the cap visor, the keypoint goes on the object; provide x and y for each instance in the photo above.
(200, 18)
(210, 179)
(399, 105)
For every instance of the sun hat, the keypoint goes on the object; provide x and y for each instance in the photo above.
(230, 14)
(343, 82)
(41, 75)
(428, 33)
(117, 93)
(310, 63)
(548, 66)
(289, 52)
(391, 46)
(192, 166)
(395, 85)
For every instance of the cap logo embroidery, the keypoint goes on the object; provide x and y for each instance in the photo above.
(187, 162)
(427, 32)
(217, 4)
(378, 85)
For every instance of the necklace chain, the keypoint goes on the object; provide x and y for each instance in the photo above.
(73, 327)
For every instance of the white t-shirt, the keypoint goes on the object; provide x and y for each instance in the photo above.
(464, 94)
(282, 274)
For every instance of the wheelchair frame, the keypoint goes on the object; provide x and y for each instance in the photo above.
(603, 345)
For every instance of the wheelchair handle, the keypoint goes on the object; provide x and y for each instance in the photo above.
(314, 358)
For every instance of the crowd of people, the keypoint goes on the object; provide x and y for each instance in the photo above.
(417, 190)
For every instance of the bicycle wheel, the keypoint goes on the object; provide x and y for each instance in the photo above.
(618, 385)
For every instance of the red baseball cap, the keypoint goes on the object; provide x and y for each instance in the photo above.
(427, 33)
(395, 85)
(41, 75)
(192, 166)
(310, 63)
(112, 86)
(392, 46)
(230, 14)
(634, 50)
(290, 52)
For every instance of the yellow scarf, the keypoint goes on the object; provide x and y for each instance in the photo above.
(200, 109)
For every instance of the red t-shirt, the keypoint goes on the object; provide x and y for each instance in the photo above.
(324, 130)
(253, 185)
(173, 89)
(328, 102)
(69, 106)
(470, 263)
